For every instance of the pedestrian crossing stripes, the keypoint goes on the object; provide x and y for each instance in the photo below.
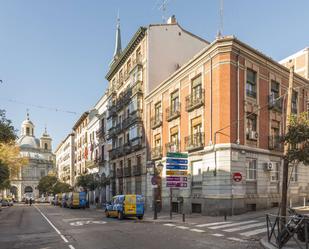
(244, 229)
(233, 224)
(254, 232)
(213, 224)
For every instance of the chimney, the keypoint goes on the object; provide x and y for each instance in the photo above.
(171, 20)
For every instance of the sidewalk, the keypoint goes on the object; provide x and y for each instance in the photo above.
(271, 245)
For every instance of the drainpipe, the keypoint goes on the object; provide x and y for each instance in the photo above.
(238, 99)
(211, 110)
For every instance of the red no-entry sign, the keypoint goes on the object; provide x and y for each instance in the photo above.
(237, 177)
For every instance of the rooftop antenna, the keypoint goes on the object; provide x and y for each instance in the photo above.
(163, 7)
(220, 31)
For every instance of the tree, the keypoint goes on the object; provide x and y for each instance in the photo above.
(46, 184)
(298, 139)
(7, 131)
(4, 176)
(10, 156)
(87, 182)
(61, 187)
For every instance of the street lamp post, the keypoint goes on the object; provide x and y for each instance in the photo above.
(157, 171)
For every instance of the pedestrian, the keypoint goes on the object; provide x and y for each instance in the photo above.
(30, 201)
(97, 201)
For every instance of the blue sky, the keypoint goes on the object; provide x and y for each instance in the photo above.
(56, 53)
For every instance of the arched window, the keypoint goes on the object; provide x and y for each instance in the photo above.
(27, 131)
(45, 146)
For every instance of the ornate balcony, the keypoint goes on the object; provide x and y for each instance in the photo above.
(100, 132)
(137, 88)
(127, 171)
(156, 121)
(136, 144)
(127, 148)
(195, 100)
(173, 112)
(195, 141)
(134, 117)
(137, 170)
(137, 62)
(172, 147)
(275, 143)
(156, 153)
(274, 104)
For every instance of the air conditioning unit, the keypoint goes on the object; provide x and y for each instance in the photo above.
(269, 166)
(253, 135)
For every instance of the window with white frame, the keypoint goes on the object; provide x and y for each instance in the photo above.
(251, 168)
(274, 173)
(294, 174)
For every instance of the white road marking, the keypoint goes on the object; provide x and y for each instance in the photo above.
(197, 230)
(245, 227)
(170, 225)
(64, 239)
(213, 224)
(236, 239)
(218, 234)
(71, 247)
(254, 232)
(52, 225)
(233, 224)
(182, 227)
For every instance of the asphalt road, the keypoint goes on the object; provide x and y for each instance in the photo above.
(48, 227)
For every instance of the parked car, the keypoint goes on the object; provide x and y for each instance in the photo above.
(5, 203)
(125, 206)
(82, 200)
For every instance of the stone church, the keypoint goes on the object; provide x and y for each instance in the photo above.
(41, 161)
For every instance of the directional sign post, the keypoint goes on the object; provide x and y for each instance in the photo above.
(176, 172)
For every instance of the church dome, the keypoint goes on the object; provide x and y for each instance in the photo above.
(27, 122)
(28, 142)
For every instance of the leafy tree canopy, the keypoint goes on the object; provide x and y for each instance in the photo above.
(46, 184)
(298, 139)
(4, 176)
(87, 182)
(7, 131)
(61, 187)
(10, 156)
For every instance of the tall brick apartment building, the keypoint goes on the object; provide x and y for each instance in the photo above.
(221, 108)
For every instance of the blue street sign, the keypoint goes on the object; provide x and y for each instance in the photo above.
(176, 161)
(173, 166)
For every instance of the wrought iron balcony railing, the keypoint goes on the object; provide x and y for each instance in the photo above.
(137, 169)
(172, 147)
(195, 141)
(173, 112)
(195, 100)
(275, 143)
(251, 93)
(156, 153)
(274, 103)
(156, 121)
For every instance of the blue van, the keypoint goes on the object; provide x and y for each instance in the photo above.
(82, 200)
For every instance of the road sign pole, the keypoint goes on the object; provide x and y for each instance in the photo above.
(171, 203)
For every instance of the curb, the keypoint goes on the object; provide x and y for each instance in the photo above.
(264, 242)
